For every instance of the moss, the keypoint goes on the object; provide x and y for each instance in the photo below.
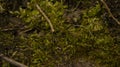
(89, 38)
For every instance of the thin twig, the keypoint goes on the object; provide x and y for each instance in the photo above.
(12, 61)
(77, 6)
(45, 16)
(108, 9)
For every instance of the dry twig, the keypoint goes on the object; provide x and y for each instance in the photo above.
(45, 16)
(108, 9)
(12, 61)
